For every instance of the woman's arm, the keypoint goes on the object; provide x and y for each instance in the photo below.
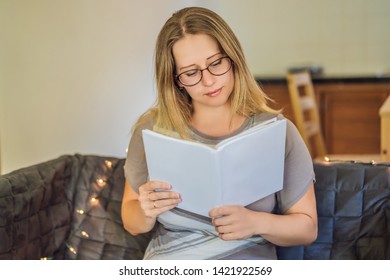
(298, 226)
(140, 211)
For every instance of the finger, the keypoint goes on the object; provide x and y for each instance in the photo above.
(154, 186)
(223, 229)
(228, 236)
(173, 202)
(155, 211)
(220, 211)
(159, 186)
(223, 219)
(215, 214)
(228, 233)
(153, 195)
(220, 221)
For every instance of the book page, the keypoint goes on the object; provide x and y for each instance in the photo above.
(253, 166)
(190, 167)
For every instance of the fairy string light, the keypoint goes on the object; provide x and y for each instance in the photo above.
(93, 201)
(371, 162)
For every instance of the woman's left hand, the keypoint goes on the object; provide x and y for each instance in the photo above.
(234, 222)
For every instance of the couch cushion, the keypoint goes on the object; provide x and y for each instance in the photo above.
(98, 233)
(353, 202)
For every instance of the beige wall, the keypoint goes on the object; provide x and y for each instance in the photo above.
(344, 36)
(75, 74)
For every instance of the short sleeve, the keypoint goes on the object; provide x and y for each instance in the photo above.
(135, 167)
(298, 169)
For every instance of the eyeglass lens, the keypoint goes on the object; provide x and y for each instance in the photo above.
(217, 68)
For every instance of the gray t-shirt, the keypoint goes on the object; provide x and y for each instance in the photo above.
(298, 175)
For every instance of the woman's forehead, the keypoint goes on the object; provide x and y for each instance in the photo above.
(194, 50)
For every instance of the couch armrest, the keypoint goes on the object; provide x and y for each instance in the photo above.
(40, 213)
(35, 210)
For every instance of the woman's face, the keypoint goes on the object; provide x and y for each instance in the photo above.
(198, 51)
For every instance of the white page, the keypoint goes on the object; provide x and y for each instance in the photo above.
(253, 165)
(190, 168)
(248, 172)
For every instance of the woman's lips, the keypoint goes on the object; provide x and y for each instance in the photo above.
(214, 92)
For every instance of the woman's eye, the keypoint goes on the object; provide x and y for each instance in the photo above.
(216, 63)
(191, 73)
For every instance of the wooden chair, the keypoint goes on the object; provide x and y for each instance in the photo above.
(307, 120)
(384, 112)
(305, 111)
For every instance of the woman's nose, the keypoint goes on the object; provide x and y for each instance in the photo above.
(207, 78)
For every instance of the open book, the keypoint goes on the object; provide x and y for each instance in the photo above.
(237, 171)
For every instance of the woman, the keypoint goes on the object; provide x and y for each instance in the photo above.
(207, 93)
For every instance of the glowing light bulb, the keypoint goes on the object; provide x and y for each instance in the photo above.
(80, 211)
(72, 250)
(101, 182)
(108, 163)
(85, 234)
(326, 159)
(94, 200)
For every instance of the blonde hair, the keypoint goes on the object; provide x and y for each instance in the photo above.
(173, 109)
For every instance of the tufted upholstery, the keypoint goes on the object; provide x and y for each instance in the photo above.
(353, 205)
(40, 205)
(39, 218)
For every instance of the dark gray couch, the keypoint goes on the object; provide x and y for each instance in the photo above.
(69, 208)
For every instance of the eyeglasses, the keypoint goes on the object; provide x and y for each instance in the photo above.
(217, 68)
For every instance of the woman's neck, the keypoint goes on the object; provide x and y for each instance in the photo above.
(216, 121)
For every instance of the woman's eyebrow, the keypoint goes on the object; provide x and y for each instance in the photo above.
(213, 56)
(181, 68)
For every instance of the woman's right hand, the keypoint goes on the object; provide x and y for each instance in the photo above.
(156, 198)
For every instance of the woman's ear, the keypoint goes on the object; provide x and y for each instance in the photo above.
(181, 89)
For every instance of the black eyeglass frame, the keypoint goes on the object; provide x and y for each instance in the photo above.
(201, 71)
